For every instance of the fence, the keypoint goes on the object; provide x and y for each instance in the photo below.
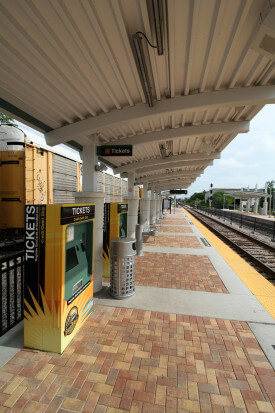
(11, 291)
(262, 226)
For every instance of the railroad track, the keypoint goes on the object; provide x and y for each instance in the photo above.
(257, 253)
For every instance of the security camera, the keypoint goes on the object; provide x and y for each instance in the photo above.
(100, 168)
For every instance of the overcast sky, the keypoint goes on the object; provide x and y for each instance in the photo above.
(248, 160)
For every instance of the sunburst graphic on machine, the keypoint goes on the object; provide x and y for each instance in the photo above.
(42, 323)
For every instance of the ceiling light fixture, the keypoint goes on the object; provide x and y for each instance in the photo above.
(166, 149)
(100, 168)
(142, 68)
(162, 151)
(158, 21)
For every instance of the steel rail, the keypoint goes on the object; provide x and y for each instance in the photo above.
(264, 267)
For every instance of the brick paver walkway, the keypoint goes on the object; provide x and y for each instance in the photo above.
(178, 241)
(182, 272)
(178, 214)
(174, 221)
(126, 360)
(175, 228)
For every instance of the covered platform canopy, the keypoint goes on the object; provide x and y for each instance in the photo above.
(253, 196)
(250, 195)
(86, 71)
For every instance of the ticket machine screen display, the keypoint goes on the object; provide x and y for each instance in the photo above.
(78, 258)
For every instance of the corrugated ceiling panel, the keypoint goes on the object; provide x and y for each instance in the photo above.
(65, 61)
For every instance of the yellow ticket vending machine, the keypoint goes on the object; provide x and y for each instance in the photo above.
(115, 226)
(58, 273)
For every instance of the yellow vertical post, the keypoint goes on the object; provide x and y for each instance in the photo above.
(78, 177)
(33, 172)
(114, 189)
(50, 177)
(121, 190)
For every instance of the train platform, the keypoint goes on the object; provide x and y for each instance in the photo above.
(197, 336)
(252, 214)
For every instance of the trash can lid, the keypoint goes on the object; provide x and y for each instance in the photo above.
(123, 246)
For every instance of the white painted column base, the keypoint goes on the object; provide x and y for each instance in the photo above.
(132, 216)
(265, 205)
(160, 207)
(247, 206)
(96, 198)
(145, 213)
(153, 211)
(255, 208)
(157, 209)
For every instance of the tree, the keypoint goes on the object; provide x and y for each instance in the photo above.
(270, 190)
(218, 200)
(6, 119)
(261, 202)
(196, 197)
(229, 201)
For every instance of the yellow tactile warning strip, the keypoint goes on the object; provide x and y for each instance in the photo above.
(263, 290)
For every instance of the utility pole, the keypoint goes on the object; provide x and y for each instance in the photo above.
(210, 197)
(269, 185)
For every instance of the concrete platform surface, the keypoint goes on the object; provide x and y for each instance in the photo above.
(11, 343)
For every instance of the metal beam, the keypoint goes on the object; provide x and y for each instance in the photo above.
(23, 116)
(183, 174)
(168, 188)
(256, 95)
(175, 182)
(171, 185)
(165, 177)
(166, 161)
(186, 132)
(182, 164)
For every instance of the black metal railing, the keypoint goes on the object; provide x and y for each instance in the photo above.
(11, 291)
(262, 226)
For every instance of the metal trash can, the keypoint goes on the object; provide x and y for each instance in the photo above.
(122, 279)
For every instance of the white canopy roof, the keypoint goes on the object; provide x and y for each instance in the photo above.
(69, 69)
